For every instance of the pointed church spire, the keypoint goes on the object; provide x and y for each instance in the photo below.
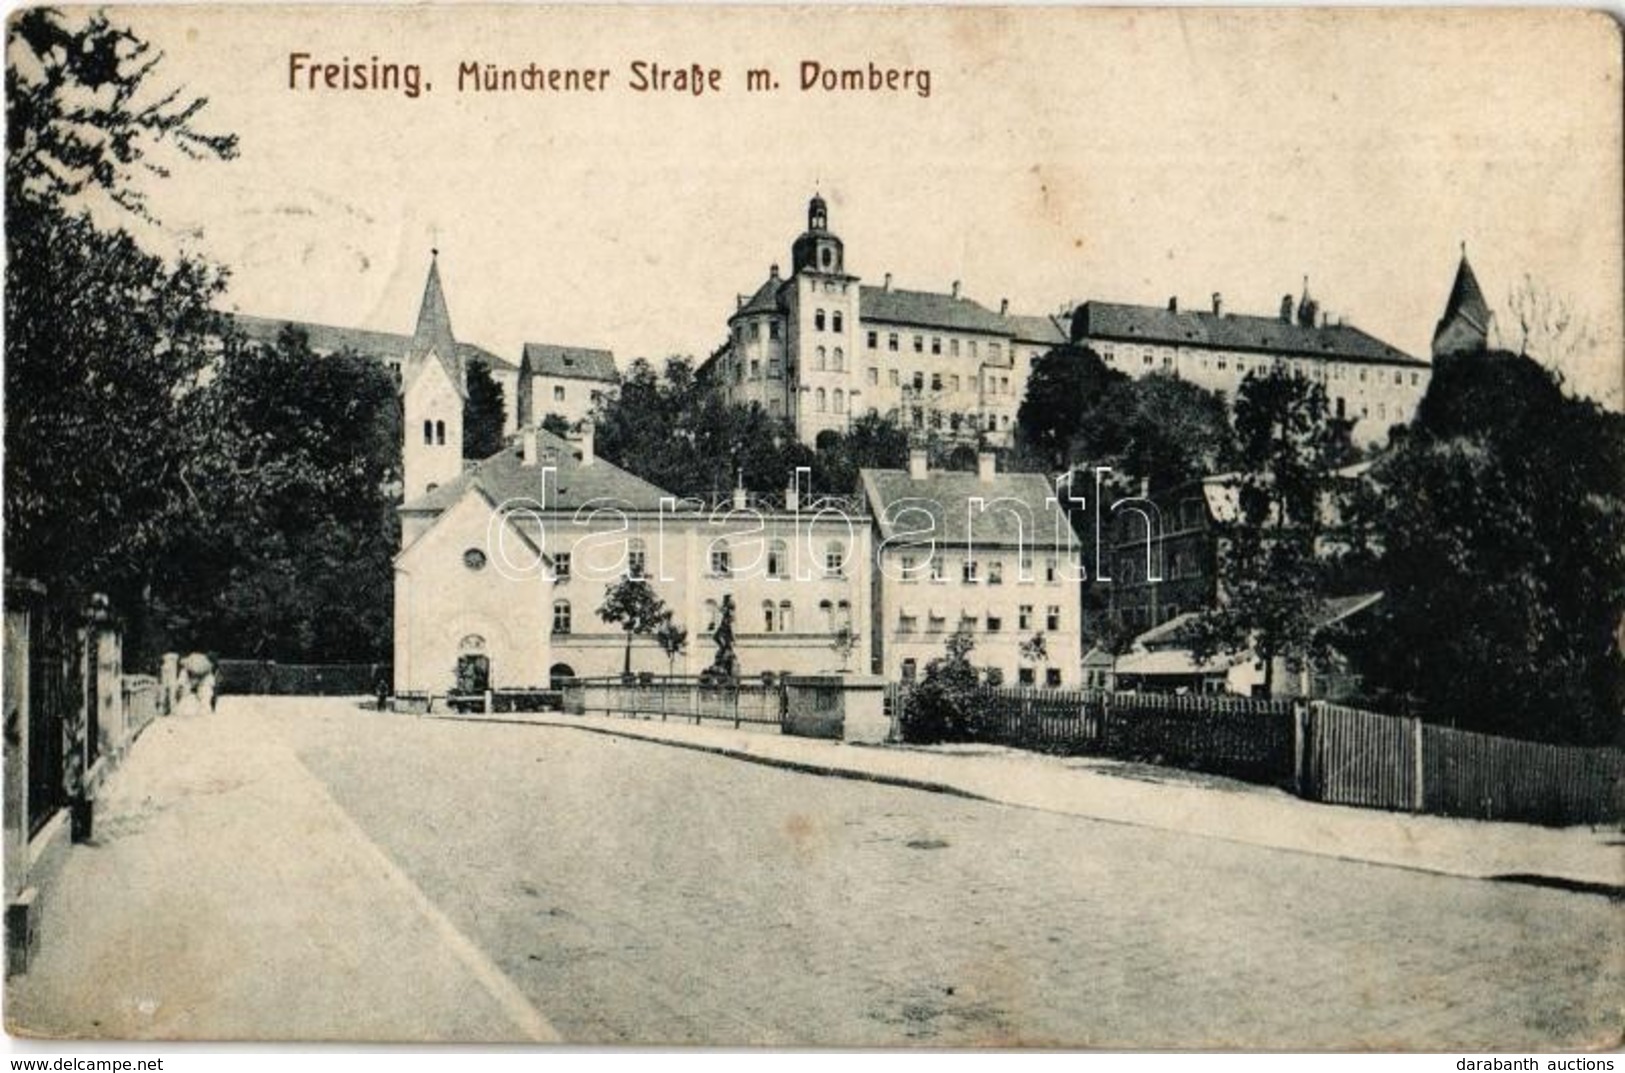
(1466, 323)
(433, 332)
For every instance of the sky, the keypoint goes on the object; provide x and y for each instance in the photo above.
(1062, 154)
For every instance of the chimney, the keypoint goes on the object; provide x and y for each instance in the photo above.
(887, 285)
(740, 300)
(916, 463)
(986, 465)
(1004, 307)
(527, 447)
(773, 273)
(1218, 304)
(1173, 303)
(1286, 309)
(584, 433)
(956, 289)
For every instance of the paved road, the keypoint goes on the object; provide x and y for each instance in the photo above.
(641, 893)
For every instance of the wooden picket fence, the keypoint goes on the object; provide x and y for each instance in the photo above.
(1354, 757)
(1324, 752)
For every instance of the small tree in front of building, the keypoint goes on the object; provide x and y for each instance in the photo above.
(633, 605)
(941, 707)
(844, 644)
(672, 639)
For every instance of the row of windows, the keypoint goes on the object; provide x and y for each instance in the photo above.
(721, 559)
(893, 340)
(434, 433)
(956, 421)
(994, 623)
(776, 617)
(994, 676)
(909, 566)
(1315, 369)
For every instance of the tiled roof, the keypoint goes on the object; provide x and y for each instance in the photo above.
(945, 497)
(928, 309)
(1049, 331)
(505, 478)
(765, 300)
(328, 339)
(1232, 331)
(571, 362)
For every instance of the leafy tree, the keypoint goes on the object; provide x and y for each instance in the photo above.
(287, 553)
(1159, 428)
(672, 639)
(1503, 553)
(845, 643)
(105, 344)
(674, 431)
(632, 604)
(557, 424)
(940, 708)
(1064, 389)
(1035, 649)
(1272, 574)
(871, 441)
(484, 414)
(82, 116)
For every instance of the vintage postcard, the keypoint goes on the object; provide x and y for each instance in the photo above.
(815, 526)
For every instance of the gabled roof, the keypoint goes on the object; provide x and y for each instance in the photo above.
(1232, 331)
(571, 362)
(928, 309)
(896, 501)
(1466, 300)
(330, 339)
(505, 478)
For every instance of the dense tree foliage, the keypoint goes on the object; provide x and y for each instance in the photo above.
(484, 414)
(106, 344)
(1064, 392)
(287, 554)
(1273, 572)
(1503, 554)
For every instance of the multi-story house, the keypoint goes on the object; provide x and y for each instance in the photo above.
(819, 348)
(1367, 381)
(985, 552)
(563, 380)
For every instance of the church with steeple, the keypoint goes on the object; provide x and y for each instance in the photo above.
(434, 387)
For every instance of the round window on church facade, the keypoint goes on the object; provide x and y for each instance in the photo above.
(474, 559)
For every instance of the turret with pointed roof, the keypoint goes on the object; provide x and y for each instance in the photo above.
(433, 334)
(1467, 321)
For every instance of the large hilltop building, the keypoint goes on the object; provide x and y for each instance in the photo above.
(1367, 381)
(818, 347)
